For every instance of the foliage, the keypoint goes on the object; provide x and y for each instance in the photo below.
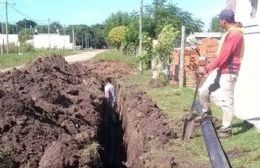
(24, 35)
(56, 27)
(117, 19)
(25, 24)
(98, 40)
(90, 153)
(117, 36)
(214, 25)
(165, 13)
(128, 48)
(166, 41)
(42, 28)
(146, 55)
(5, 160)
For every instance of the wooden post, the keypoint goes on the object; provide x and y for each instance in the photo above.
(181, 70)
(2, 48)
(140, 34)
(6, 27)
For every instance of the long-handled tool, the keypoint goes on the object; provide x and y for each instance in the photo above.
(189, 120)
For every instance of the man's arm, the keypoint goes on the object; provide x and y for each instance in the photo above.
(230, 44)
(106, 92)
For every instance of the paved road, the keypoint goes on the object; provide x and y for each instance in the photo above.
(70, 59)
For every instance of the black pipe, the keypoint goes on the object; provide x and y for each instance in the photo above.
(215, 150)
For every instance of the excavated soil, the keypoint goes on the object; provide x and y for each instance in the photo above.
(52, 117)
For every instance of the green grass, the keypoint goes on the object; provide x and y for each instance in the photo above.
(14, 59)
(243, 147)
(115, 55)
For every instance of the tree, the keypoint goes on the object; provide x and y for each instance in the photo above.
(166, 40)
(98, 40)
(25, 23)
(117, 19)
(214, 25)
(23, 36)
(42, 28)
(55, 27)
(117, 35)
(164, 13)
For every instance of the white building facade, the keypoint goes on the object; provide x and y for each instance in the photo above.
(41, 41)
(247, 91)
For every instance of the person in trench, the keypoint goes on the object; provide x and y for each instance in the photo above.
(223, 72)
(110, 119)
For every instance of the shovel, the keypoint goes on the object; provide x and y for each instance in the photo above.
(189, 123)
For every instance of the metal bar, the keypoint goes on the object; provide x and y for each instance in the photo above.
(215, 150)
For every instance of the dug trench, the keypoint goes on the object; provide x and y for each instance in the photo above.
(52, 116)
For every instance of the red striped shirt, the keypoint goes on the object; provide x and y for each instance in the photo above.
(229, 58)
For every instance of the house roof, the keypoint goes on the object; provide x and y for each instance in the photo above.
(207, 34)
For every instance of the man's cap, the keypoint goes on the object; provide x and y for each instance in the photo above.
(227, 15)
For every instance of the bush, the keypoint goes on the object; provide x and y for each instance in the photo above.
(117, 35)
(25, 48)
(5, 160)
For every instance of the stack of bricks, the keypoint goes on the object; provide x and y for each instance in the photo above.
(207, 47)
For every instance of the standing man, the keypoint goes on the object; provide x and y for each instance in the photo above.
(223, 72)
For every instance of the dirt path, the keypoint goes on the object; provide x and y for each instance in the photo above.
(70, 59)
(83, 56)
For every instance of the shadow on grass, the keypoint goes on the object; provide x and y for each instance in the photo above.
(243, 127)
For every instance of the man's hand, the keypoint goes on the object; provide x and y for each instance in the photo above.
(202, 70)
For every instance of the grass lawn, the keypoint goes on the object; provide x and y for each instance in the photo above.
(14, 59)
(243, 148)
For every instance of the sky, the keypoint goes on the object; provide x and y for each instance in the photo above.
(90, 12)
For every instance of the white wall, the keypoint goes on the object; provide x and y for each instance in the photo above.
(42, 40)
(243, 13)
(12, 38)
(52, 40)
(247, 91)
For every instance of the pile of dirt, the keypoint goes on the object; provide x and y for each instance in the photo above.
(50, 114)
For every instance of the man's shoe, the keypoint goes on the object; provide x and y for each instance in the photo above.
(225, 132)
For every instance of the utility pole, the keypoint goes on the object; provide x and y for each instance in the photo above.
(49, 40)
(25, 27)
(2, 27)
(89, 40)
(2, 40)
(6, 26)
(140, 34)
(140, 27)
(82, 41)
(73, 38)
(64, 32)
(86, 41)
(181, 72)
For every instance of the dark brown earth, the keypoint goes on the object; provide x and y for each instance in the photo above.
(51, 117)
(49, 114)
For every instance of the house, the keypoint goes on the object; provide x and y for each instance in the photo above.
(41, 41)
(247, 91)
(202, 35)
